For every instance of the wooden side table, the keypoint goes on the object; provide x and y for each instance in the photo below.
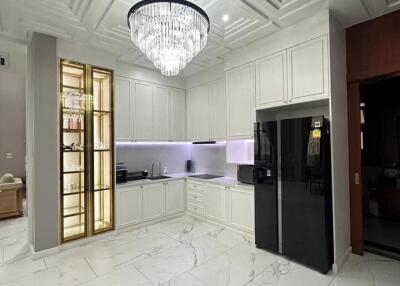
(11, 201)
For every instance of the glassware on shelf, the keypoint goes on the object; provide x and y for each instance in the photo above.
(74, 100)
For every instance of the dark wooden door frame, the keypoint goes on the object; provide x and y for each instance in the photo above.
(355, 163)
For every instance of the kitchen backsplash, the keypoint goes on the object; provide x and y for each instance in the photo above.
(205, 158)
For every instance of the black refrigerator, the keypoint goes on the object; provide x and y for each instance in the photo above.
(293, 190)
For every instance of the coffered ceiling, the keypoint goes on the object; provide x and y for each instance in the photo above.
(102, 23)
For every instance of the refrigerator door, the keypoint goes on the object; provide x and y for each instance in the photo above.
(306, 192)
(266, 195)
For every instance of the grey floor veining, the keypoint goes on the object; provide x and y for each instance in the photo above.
(182, 251)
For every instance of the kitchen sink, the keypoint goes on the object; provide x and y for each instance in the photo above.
(158, 178)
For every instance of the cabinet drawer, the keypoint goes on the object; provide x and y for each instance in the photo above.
(195, 197)
(195, 209)
(196, 186)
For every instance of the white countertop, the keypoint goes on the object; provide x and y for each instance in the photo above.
(226, 181)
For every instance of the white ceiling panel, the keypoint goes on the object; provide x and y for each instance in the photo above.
(234, 23)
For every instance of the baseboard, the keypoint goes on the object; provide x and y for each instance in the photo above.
(339, 263)
(44, 253)
(146, 223)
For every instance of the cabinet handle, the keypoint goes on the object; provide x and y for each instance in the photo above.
(195, 209)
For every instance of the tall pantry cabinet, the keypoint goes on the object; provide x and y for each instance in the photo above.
(86, 150)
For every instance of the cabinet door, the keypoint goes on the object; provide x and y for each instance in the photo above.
(217, 99)
(308, 71)
(177, 114)
(216, 203)
(241, 214)
(174, 197)
(160, 113)
(271, 81)
(143, 117)
(123, 109)
(241, 102)
(129, 206)
(199, 113)
(153, 201)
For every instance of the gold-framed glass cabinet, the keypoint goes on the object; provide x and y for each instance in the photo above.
(86, 151)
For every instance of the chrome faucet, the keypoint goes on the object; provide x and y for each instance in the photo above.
(152, 169)
(159, 168)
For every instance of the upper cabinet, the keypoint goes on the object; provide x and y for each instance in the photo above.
(217, 99)
(240, 85)
(206, 112)
(148, 112)
(124, 105)
(271, 81)
(295, 75)
(177, 114)
(198, 114)
(308, 71)
(160, 113)
(143, 112)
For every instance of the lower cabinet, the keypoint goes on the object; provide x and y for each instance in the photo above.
(153, 201)
(174, 197)
(215, 202)
(233, 206)
(241, 213)
(139, 204)
(129, 206)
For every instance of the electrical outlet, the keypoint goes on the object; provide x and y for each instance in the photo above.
(9, 155)
(4, 60)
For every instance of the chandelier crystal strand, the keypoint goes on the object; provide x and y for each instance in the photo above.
(169, 33)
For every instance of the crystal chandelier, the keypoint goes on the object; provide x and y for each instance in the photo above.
(170, 33)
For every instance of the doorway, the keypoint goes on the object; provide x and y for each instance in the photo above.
(380, 167)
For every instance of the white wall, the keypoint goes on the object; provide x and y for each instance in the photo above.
(339, 142)
(12, 109)
(140, 156)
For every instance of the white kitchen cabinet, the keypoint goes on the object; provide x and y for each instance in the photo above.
(177, 115)
(123, 109)
(216, 203)
(129, 207)
(143, 112)
(174, 197)
(271, 81)
(241, 211)
(153, 201)
(240, 85)
(160, 113)
(198, 113)
(308, 71)
(217, 100)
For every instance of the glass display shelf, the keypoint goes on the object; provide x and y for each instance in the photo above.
(72, 87)
(73, 130)
(73, 211)
(98, 188)
(74, 231)
(74, 110)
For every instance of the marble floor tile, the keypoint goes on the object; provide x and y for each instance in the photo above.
(286, 273)
(159, 267)
(108, 259)
(182, 251)
(183, 280)
(127, 276)
(19, 269)
(236, 266)
(67, 274)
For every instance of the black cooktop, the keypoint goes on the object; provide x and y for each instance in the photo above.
(205, 176)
